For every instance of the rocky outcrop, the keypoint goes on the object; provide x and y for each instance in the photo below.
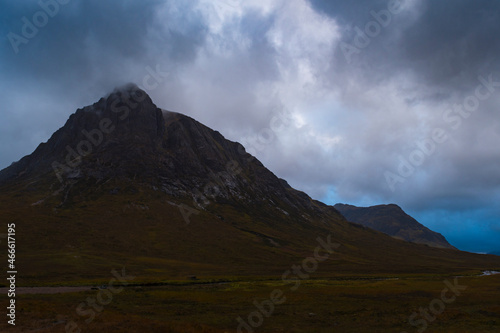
(126, 136)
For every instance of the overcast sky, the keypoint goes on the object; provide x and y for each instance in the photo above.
(362, 102)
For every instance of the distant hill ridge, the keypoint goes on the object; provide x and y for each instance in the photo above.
(393, 221)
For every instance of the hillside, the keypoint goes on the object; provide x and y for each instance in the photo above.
(393, 221)
(124, 183)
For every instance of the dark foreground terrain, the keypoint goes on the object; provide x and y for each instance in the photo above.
(349, 304)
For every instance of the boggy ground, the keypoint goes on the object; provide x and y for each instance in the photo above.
(356, 304)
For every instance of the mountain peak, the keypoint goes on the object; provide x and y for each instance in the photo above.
(392, 220)
(387, 206)
(111, 129)
(122, 101)
(126, 138)
(127, 87)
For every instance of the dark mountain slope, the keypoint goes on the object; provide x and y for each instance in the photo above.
(125, 183)
(126, 137)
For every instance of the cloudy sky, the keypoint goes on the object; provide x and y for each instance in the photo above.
(362, 102)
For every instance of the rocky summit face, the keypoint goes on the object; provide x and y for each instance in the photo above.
(125, 136)
(393, 221)
(125, 124)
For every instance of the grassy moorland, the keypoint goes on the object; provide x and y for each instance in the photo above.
(321, 305)
(140, 229)
(370, 283)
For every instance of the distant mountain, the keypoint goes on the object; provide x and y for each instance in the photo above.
(126, 183)
(393, 221)
(497, 253)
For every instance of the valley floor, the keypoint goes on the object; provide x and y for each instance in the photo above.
(393, 304)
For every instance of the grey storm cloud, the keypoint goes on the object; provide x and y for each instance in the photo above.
(446, 43)
(89, 39)
(451, 42)
(274, 76)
